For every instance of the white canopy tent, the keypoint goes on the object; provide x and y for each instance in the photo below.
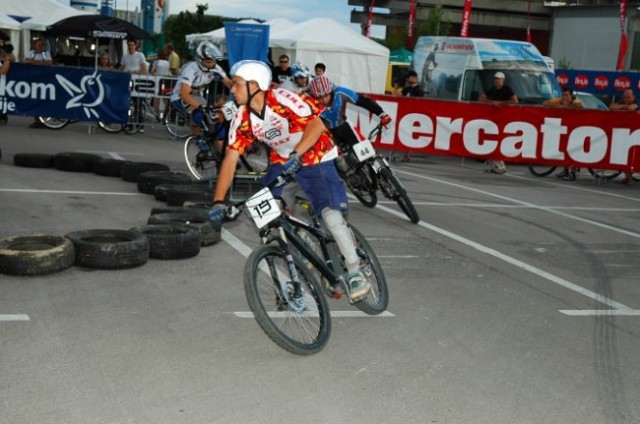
(33, 15)
(352, 60)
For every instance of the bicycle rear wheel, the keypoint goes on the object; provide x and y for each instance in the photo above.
(604, 174)
(377, 300)
(53, 123)
(301, 325)
(110, 128)
(541, 170)
(256, 159)
(177, 122)
(201, 164)
(136, 117)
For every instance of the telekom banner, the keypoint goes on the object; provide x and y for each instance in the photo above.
(526, 134)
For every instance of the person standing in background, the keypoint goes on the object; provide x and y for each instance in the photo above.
(161, 67)
(411, 89)
(628, 104)
(38, 56)
(6, 57)
(134, 61)
(173, 58)
(282, 72)
(320, 69)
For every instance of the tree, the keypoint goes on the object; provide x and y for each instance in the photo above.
(177, 27)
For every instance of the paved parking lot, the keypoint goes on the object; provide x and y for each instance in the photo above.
(514, 300)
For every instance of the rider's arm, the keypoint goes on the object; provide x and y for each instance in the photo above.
(225, 175)
(312, 132)
(369, 105)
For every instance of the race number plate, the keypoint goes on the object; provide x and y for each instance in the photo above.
(364, 150)
(263, 208)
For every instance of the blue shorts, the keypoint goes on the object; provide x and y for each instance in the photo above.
(320, 182)
(197, 116)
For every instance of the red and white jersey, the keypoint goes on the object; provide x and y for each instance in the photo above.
(285, 118)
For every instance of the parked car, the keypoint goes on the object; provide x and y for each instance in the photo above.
(589, 101)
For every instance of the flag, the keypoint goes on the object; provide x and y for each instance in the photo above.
(622, 51)
(412, 24)
(370, 19)
(466, 18)
(528, 21)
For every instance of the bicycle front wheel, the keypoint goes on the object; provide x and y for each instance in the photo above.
(177, 122)
(136, 118)
(604, 174)
(361, 186)
(201, 164)
(377, 300)
(391, 186)
(298, 321)
(541, 170)
(110, 128)
(53, 123)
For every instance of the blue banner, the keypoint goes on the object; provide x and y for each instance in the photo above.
(599, 82)
(82, 94)
(246, 42)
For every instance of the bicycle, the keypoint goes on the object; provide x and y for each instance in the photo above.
(176, 122)
(598, 174)
(58, 124)
(365, 171)
(204, 154)
(280, 281)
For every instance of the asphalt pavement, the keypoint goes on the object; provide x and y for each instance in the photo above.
(514, 300)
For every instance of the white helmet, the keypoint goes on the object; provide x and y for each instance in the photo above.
(253, 70)
(206, 50)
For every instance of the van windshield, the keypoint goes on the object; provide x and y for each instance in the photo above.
(531, 87)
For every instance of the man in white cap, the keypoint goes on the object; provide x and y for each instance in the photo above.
(499, 94)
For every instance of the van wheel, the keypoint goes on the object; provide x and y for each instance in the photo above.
(171, 241)
(110, 249)
(37, 254)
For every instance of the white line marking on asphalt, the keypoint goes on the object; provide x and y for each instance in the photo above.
(600, 312)
(513, 261)
(99, 193)
(334, 314)
(245, 251)
(19, 317)
(493, 205)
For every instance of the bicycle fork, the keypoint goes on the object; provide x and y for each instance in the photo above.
(288, 293)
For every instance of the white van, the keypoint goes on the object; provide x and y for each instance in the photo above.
(462, 68)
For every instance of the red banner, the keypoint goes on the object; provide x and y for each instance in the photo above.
(525, 134)
(622, 51)
(528, 21)
(466, 18)
(412, 24)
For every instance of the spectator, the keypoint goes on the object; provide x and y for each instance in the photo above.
(568, 100)
(104, 62)
(174, 59)
(134, 61)
(396, 87)
(6, 57)
(320, 69)
(499, 94)
(300, 81)
(411, 89)
(38, 56)
(282, 72)
(161, 67)
(301, 147)
(628, 104)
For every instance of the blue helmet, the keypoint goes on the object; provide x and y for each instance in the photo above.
(300, 70)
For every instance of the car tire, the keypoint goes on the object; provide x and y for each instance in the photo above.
(37, 254)
(108, 167)
(75, 162)
(147, 181)
(110, 249)
(131, 170)
(169, 241)
(209, 232)
(33, 160)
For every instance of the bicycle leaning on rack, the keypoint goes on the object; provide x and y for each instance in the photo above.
(282, 276)
(598, 174)
(58, 123)
(365, 171)
(204, 154)
(141, 112)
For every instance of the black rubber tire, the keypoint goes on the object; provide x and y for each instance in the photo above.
(110, 128)
(53, 123)
(377, 300)
(392, 184)
(178, 195)
(75, 162)
(541, 170)
(604, 174)
(209, 232)
(108, 167)
(131, 170)
(171, 241)
(110, 249)
(367, 196)
(301, 333)
(161, 190)
(198, 210)
(147, 181)
(37, 254)
(33, 160)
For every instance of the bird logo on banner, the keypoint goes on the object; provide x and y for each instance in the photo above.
(88, 95)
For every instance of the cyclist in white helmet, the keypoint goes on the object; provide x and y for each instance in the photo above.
(300, 76)
(194, 77)
(300, 146)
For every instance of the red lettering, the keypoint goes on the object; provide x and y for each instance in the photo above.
(581, 81)
(601, 82)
